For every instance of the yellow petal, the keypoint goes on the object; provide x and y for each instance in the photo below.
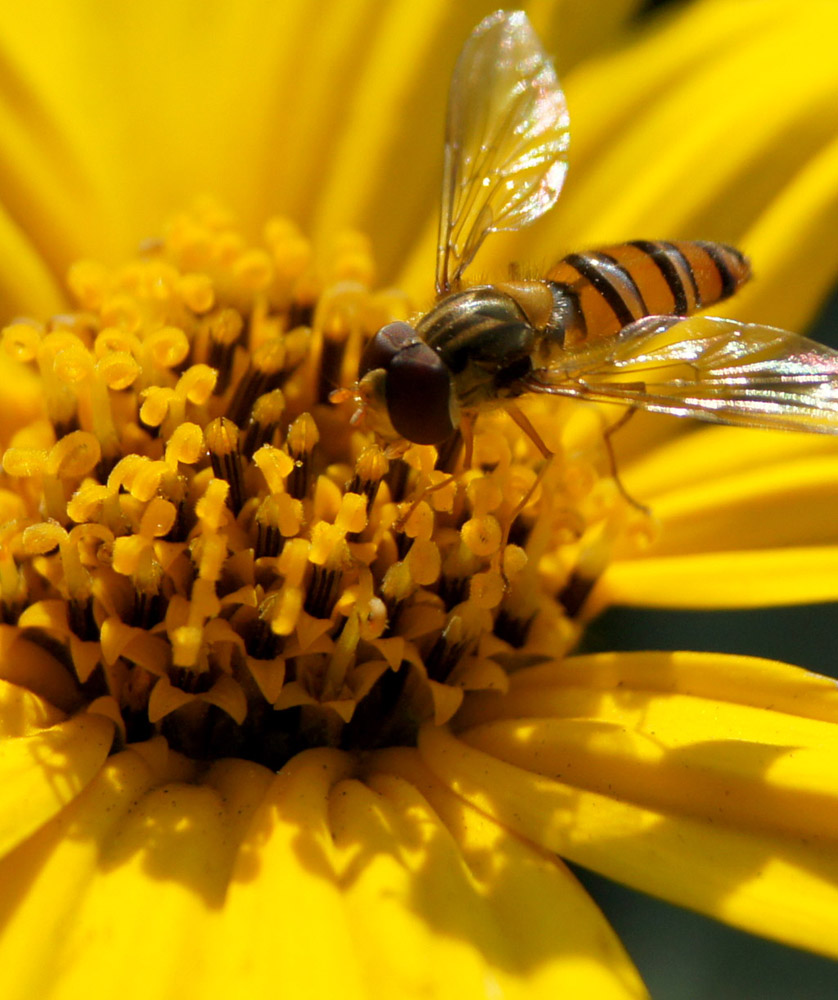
(792, 503)
(526, 912)
(23, 713)
(26, 663)
(653, 468)
(743, 519)
(803, 214)
(288, 856)
(138, 856)
(372, 866)
(569, 31)
(739, 765)
(393, 165)
(719, 805)
(715, 580)
(40, 188)
(43, 772)
(745, 680)
(700, 112)
(778, 886)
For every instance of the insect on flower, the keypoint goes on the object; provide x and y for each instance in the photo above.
(607, 325)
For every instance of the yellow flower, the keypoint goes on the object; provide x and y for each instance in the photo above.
(208, 575)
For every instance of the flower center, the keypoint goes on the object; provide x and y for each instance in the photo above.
(209, 548)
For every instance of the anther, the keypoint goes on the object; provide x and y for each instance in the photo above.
(302, 439)
(225, 332)
(260, 641)
(447, 651)
(459, 635)
(370, 469)
(323, 591)
(266, 372)
(222, 437)
(269, 540)
(264, 420)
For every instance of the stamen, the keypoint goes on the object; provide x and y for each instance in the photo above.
(482, 535)
(222, 437)
(278, 517)
(457, 637)
(261, 642)
(266, 372)
(197, 292)
(370, 469)
(330, 556)
(342, 659)
(225, 332)
(264, 421)
(180, 537)
(303, 437)
(287, 603)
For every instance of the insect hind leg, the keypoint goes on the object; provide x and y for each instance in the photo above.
(526, 426)
(607, 434)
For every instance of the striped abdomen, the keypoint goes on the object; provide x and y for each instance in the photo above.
(614, 286)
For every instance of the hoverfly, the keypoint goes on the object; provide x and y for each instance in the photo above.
(607, 326)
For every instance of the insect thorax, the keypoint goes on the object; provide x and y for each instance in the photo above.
(485, 339)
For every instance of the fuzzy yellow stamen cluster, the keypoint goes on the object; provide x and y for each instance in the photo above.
(210, 547)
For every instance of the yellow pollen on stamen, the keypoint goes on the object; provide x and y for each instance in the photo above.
(482, 535)
(206, 534)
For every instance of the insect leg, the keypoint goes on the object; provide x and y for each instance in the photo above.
(612, 460)
(466, 429)
(448, 453)
(526, 426)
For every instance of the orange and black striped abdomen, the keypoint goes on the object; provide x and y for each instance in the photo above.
(616, 285)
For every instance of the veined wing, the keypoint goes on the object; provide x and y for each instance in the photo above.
(705, 367)
(506, 140)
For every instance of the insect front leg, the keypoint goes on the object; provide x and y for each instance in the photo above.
(465, 435)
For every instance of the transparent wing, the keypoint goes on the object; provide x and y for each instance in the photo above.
(706, 367)
(506, 140)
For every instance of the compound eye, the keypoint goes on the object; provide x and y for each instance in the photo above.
(418, 392)
(385, 345)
